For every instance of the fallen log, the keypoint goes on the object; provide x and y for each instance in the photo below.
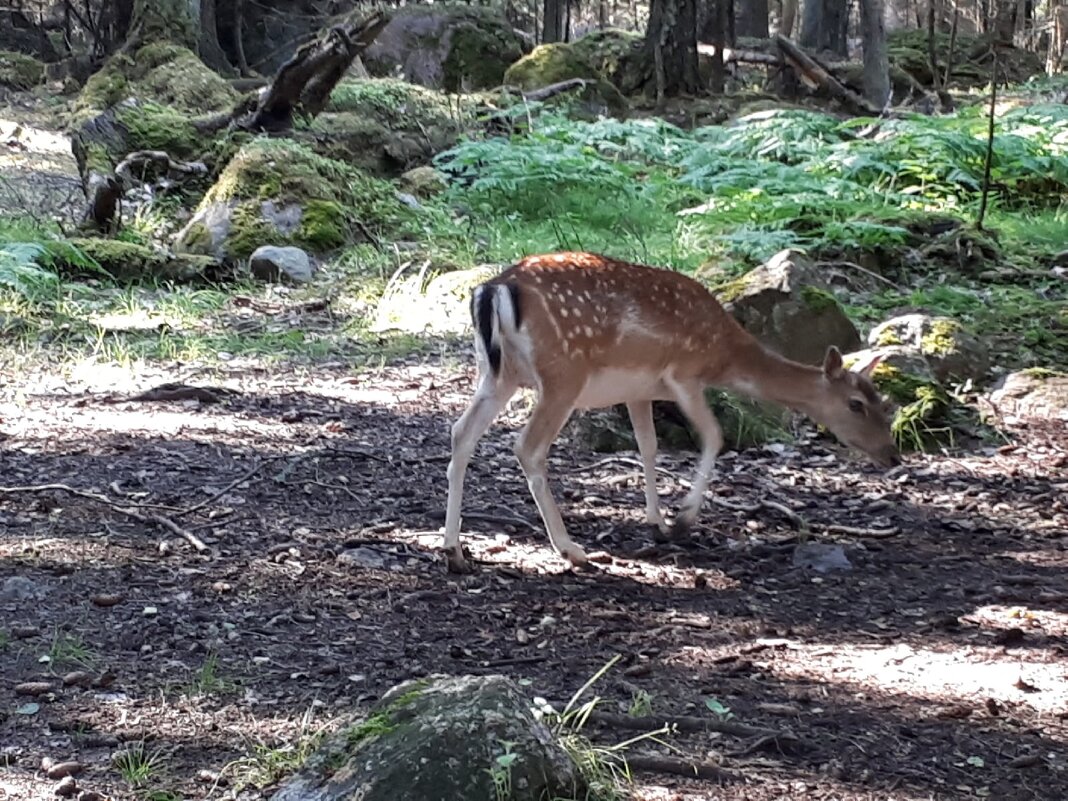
(814, 75)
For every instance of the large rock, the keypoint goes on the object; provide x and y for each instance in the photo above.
(1041, 394)
(440, 739)
(386, 126)
(951, 352)
(787, 304)
(449, 47)
(280, 192)
(19, 71)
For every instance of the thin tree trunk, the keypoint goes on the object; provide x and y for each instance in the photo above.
(824, 24)
(239, 38)
(555, 21)
(932, 49)
(789, 16)
(211, 52)
(952, 43)
(876, 60)
(751, 19)
(673, 32)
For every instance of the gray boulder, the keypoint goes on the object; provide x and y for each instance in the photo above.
(273, 263)
(439, 304)
(788, 305)
(949, 349)
(451, 47)
(1041, 394)
(440, 739)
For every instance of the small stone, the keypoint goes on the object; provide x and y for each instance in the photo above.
(65, 787)
(61, 770)
(821, 557)
(20, 588)
(272, 263)
(362, 557)
(90, 795)
(106, 599)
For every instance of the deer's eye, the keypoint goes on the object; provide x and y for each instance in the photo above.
(856, 406)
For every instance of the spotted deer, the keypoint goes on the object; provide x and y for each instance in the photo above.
(585, 331)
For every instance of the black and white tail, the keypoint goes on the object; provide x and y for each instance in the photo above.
(494, 308)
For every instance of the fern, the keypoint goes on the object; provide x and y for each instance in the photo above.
(20, 269)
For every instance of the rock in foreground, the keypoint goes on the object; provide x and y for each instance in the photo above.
(440, 739)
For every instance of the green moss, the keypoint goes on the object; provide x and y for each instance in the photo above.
(818, 300)
(165, 74)
(920, 423)
(323, 225)
(480, 50)
(130, 261)
(547, 64)
(97, 158)
(249, 231)
(385, 720)
(607, 51)
(155, 127)
(1043, 372)
(941, 339)
(899, 386)
(335, 198)
(19, 71)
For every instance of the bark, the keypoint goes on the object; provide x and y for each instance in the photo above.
(239, 38)
(824, 24)
(671, 43)
(1057, 38)
(211, 51)
(555, 20)
(932, 52)
(751, 18)
(876, 60)
(789, 17)
(308, 78)
(717, 33)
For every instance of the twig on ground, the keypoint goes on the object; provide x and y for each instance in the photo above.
(779, 739)
(856, 531)
(854, 266)
(510, 520)
(678, 767)
(147, 519)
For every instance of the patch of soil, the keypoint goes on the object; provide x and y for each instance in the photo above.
(933, 666)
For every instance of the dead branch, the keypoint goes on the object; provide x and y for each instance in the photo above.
(781, 740)
(147, 519)
(678, 767)
(814, 75)
(173, 392)
(306, 80)
(141, 160)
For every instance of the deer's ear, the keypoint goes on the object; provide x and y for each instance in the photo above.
(832, 363)
(865, 368)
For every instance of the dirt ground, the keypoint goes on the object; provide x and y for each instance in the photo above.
(933, 666)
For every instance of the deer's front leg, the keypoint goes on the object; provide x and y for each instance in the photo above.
(691, 399)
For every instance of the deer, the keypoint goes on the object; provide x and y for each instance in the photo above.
(587, 331)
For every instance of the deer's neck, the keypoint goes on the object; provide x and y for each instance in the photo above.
(765, 375)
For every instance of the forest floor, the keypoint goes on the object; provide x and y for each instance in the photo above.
(932, 666)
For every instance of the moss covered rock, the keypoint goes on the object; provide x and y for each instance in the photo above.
(386, 126)
(950, 351)
(1036, 393)
(463, 737)
(451, 47)
(787, 304)
(162, 73)
(549, 63)
(608, 51)
(19, 71)
(128, 261)
(281, 192)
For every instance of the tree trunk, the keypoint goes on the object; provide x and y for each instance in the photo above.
(671, 44)
(1058, 36)
(211, 52)
(555, 23)
(824, 24)
(876, 60)
(751, 18)
(789, 17)
(175, 21)
(239, 38)
(716, 32)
